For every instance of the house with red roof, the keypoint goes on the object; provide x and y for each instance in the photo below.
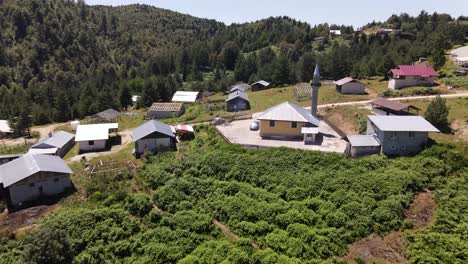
(411, 75)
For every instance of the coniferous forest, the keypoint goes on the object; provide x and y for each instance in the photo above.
(62, 59)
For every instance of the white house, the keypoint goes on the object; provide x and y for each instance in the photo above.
(94, 137)
(32, 177)
(411, 75)
(350, 86)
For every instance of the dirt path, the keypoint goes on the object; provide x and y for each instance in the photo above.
(228, 234)
(391, 248)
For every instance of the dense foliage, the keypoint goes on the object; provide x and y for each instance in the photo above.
(286, 206)
(62, 59)
(437, 113)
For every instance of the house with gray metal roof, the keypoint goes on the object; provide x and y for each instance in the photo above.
(7, 158)
(58, 143)
(237, 101)
(33, 177)
(243, 87)
(260, 85)
(153, 136)
(287, 120)
(349, 85)
(363, 145)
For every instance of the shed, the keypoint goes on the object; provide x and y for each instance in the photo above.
(237, 101)
(58, 143)
(243, 87)
(185, 97)
(7, 158)
(384, 106)
(260, 85)
(32, 177)
(153, 136)
(363, 145)
(5, 128)
(350, 86)
(108, 115)
(95, 137)
(165, 110)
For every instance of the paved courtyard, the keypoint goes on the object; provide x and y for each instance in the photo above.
(238, 132)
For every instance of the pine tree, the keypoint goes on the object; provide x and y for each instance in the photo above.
(437, 113)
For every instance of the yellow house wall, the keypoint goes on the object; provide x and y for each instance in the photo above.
(282, 128)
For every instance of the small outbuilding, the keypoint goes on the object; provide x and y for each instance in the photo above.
(95, 137)
(382, 106)
(153, 136)
(5, 128)
(237, 101)
(350, 86)
(31, 178)
(260, 85)
(107, 115)
(7, 158)
(185, 97)
(165, 110)
(363, 145)
(58, 143)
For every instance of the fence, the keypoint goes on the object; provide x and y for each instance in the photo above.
(113, 168)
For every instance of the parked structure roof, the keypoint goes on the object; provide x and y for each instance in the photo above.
(402, 123)
(166, 107)
(289, 112)
(94, 132)
(261, 82)
(28, 165)
(239, 87)
(185, 97)
(414, 70)
(237, 93)
(108, 114)
(43, 151)
(363, 141)
(57, 140)
(151, 127)
(345, 81)
(5, 126)
(392, 105)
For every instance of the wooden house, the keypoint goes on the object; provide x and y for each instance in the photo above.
(237, 101)
(153, 136)
(165, 110)
(260, 85)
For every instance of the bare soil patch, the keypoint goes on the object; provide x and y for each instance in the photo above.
(391, 248)
(11, 223)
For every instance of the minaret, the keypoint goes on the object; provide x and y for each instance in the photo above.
(315, 83)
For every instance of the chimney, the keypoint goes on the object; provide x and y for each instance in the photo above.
(315, 84)
(50, 134)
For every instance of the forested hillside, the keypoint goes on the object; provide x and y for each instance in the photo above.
(62, 59)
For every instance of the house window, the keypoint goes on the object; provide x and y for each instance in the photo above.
(393, 135)
(411, 135)
(91, 142)
(293, 124)
(272, 123)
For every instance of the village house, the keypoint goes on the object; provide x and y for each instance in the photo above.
(153, 136)
(237, 101)
(350, 86)
(287, 120)
(95, 137)
(58, 143)
(243, 87)
(382, 106)
(335, 32)
(363, 145)
(5, 128)
(411, 75)
(185, 97)
(7, 158)
(165, 110)
(109, 115)
(33, 177)
(260, 85)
